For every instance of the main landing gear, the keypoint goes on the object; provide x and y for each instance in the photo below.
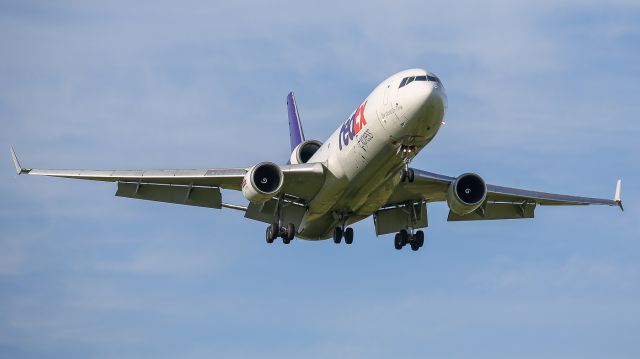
(407, 174)
(341, 231)
(277, 229)
(404, 237)
(407, 235)
(285, 232)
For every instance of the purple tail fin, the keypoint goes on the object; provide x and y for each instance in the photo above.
(296, 135)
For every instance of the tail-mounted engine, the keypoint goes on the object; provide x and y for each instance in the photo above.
(262, 182)
(466, 193)
(304, 151)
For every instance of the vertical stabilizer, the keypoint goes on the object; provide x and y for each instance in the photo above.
(296, 135)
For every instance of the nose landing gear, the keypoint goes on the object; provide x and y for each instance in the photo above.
(407, 174)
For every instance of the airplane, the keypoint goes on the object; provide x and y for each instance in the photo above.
(362, 170)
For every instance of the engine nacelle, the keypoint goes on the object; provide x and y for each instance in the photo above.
(304, 151)
(262, 182)
(466, 193)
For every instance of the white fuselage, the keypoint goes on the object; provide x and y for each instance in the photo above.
(363, 156)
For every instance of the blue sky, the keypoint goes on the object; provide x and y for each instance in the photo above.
(542, 95)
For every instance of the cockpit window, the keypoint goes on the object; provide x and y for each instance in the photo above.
(407, 80)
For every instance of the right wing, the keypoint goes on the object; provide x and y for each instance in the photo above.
(501, 202)
(198, 187)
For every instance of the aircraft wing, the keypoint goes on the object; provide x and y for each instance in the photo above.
(199, 187)
(501, 202)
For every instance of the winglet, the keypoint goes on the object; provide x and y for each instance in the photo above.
(16, 162)
(296, 135)
(617, 196)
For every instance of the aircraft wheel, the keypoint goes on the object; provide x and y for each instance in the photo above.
(348, 235)
(269, 235)
(420, 238)
(411, 175)
(404, 237)
(415, 246)
(291, 232)
(275, 230)
(397, 243)
(272, 232)
(403, 175)
(337, 235)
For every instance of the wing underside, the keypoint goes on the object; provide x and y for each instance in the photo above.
(501, 202)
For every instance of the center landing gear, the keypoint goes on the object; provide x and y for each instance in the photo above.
(404, 237)
(340, 232)
(407, 174)
(276, 229)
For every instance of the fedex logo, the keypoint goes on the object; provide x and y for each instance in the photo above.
(352, 126)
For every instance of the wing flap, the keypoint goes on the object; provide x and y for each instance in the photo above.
(493, 211)
(187, 195)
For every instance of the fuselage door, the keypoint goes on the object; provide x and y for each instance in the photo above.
(386, 111)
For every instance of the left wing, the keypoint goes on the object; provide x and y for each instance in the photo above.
(198, 187)
(501, 202)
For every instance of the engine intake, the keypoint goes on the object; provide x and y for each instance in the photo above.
(304, 151)
(262, 182)
(466, 193)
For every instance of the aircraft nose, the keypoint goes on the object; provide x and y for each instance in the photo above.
(436, 96)
(426, 103)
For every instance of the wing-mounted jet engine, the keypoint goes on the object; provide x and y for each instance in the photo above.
(466, 193)
(262, 182)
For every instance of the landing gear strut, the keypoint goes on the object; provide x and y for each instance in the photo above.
(277, 229)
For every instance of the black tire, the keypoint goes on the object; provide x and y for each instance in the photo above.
(403, 175)
(411, 175)
(414, 246)
(348, 235)
(397, 242)
(275, 230)
(420, 238)
(269, 235)
(337, 235)
(291, 231)
(286, 240)
(404, 237)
